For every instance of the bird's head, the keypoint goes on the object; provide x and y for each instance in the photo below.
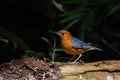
(64, 34)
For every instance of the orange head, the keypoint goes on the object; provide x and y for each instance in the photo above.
(64, 34)
(66, 42)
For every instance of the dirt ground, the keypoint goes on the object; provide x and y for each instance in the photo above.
(29, 69)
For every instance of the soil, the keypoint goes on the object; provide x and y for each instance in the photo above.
(29, 69)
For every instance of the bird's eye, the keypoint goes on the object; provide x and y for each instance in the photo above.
(63, 34)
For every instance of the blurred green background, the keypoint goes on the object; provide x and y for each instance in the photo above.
(26, 26)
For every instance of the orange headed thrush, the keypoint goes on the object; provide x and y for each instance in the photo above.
(72, 45)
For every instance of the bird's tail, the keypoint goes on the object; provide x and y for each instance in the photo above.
(98, 49)
(95, 48)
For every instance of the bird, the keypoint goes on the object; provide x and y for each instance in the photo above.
(72, 45)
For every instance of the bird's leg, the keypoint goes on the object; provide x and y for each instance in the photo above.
(77, 58)
(72, 58)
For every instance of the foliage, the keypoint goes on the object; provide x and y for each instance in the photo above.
(14, 38)
(92, 18)
(87, 13)
(52, 47)
(6, 37)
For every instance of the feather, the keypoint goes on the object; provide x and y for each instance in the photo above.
(77, 43)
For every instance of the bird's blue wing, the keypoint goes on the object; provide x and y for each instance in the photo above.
(77, 43)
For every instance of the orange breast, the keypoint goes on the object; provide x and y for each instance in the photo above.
(68, 48)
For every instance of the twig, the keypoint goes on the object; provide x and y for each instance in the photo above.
(53, 51)
(43, 78)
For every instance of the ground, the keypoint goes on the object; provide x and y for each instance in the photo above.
(28, 68)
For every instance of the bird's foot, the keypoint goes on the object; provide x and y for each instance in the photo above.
(81, 62)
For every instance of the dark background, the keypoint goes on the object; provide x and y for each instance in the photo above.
(33, 19)
(28, 19)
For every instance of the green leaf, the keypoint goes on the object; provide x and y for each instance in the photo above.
(15, 46)
(69, 18)
(72, 23)
(58, 49)
(75, 1)
(65, 14)
(46, 40)
(14, 38)
(4, 40)
(113, 10)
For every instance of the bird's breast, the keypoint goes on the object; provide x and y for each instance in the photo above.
(69, 49)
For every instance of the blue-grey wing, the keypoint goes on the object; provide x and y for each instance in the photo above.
(77, 43)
